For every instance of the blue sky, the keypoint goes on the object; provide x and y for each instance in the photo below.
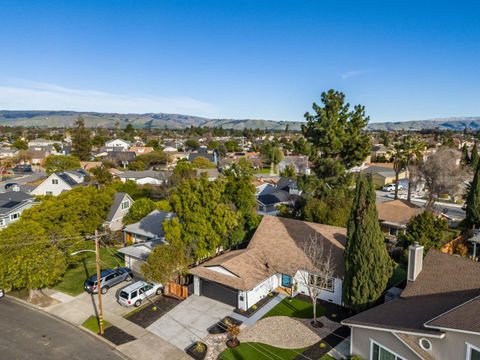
(403, 60)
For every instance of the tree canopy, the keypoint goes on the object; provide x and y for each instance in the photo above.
(81, 141)
(140, 208)
(201, 162)
(59, 163)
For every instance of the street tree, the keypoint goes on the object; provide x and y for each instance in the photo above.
(59, 163)
(367, 264)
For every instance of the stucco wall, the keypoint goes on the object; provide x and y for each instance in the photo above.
(261, 290)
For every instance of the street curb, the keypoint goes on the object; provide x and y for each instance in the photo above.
(53, 316)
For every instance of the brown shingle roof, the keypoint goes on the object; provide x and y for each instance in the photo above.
(445, 282)
(397, 211)
(276, 247)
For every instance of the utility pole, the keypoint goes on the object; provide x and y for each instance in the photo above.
(99, 286)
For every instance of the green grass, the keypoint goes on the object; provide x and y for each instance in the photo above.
(265, 170)
(259, 351)
(295, 308)
(399, 275)
(75, 276)
(92, 324)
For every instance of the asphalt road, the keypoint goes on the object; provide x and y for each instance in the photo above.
(22, 179)
(26, 333)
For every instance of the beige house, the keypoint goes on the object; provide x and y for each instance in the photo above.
(383, 173)
(394, 216)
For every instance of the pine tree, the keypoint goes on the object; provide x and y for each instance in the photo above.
(473, 201)
(81, 142)
(465, 159)
(474, 157)
(367, 264)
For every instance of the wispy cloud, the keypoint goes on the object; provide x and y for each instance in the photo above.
(27, 95)
(352, 73)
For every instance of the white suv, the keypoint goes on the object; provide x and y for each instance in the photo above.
(391, 187)
(134, 294)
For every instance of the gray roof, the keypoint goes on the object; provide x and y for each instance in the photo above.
(129, 174)
(11, 200)
(276, 197)
(151, 225)
(69, 179)
(141, 250)
(117, 201)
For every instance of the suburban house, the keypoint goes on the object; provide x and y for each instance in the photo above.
(207, 154)
(150, 228)
(299, 163)
(383, 174)
(437, 316)
(8, 152)
(120, 207)
(12, 204)
(117, 145)
(120, 158)
(141, 150)
(212, 174)
(37, 157)
(144, 177)
(273, 260)
(57, 183)
(40, 142)
(394, 216)
(144, 236)
(380, 152)
(286, 192)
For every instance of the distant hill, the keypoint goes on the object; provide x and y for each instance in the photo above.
(178, 121)
(151, 120)
(451, 123)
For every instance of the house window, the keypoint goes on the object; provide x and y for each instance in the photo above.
(393, 231)
(48, 193)
(14, 216)
(55, 181)
(2, 222)
(322, 283)
(378, 352)
(425, 344)
(125, 205)
(473, 352)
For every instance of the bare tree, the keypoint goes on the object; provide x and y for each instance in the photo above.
(443, 174)
(317, 273)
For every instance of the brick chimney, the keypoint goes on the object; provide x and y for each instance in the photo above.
(415, 261)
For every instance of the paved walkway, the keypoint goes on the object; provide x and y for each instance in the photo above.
(260, 313)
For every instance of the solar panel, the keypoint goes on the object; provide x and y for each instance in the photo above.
(10, 204)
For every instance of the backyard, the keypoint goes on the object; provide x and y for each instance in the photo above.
(75, 276)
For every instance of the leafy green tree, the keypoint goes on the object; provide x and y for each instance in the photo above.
(140, 208)
(183, 170)
(153, 158)
(28, 258)
(20, 144)
(155, 144)
(336, 132)
(232, 145)
(81, 141)
(192, 144)
(474, 157)
(472, 205)
(288, 171)
(137, 165)
(465, 159)
(426, 229)
(102, 175)
(59, 163)
(201, 162)
(276, 156)
(214, 145)
(367, 264)
(131, 188)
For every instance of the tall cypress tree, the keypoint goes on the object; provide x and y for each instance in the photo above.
(81, 141)
(474, 157)
(465, 159)
(473, 201)
(367, 264)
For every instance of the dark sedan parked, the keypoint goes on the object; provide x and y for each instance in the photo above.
(108, 278)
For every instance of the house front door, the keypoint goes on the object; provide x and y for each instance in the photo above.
(286, 281)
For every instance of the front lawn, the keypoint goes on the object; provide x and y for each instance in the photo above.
(259, 351)
(92, 324)
(75, 276)
(295, 308)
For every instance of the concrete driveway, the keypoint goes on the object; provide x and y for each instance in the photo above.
(188, 322)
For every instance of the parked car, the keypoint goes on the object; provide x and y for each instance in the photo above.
(108, 278)
(11, 185)
(135, 293)
(22, 169)
(2, 293)
(391, 187)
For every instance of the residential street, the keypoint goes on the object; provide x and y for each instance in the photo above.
(26, 333)
(22, 179)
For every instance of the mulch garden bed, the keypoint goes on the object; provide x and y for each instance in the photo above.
(198, 350)
(117, 336)
(253, 309)
(147, 315)
(222, 326)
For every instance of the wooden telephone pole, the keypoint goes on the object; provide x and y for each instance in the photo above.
(99, 285)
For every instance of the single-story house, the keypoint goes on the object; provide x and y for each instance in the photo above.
(12, 204)
(119, 209)
(380, 152)
(299, 163)
(120, 158)
(437, 316)
(207, 154)
(136, 254)
(285, 192)
(117, 145)
(145, 177)
(43, 142)
(212, 174)
(273, 259)
(8, 152)
(148, 229)
(394, 216)
(141, 150)
(383, 174)
(57, 183)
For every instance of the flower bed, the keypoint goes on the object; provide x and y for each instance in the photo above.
(254, 308)
(222, 326)
(198, 350)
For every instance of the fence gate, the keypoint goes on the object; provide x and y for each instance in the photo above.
(176, 290)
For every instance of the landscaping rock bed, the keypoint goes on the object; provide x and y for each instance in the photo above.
(222, 326)
(117, 336)
(198, 350)
(148, 314)
(253, 309)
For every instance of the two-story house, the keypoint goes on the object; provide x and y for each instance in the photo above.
(12, 204)
(122, 203)
(57, 183)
